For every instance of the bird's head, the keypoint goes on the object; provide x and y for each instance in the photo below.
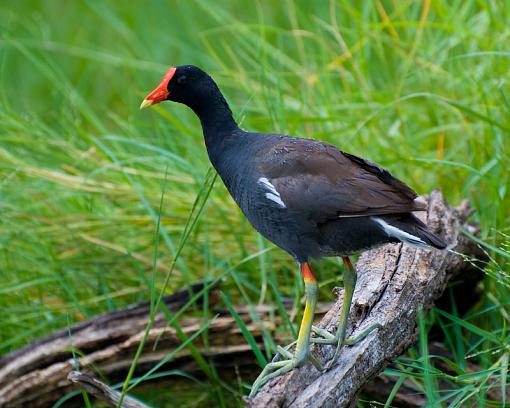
(185, 84)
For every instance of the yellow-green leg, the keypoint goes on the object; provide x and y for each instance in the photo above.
(302, 351)
(339, 338)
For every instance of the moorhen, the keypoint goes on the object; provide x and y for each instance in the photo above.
(306, 196)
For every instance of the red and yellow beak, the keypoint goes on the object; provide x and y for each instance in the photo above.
(160, 93)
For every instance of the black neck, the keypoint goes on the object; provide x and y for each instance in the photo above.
(215, 116)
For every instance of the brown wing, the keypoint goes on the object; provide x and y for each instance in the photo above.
(322, 182)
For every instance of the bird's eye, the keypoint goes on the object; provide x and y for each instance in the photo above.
(182, 79)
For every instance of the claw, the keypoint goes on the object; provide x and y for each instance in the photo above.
(329, 338)
(273, 370)
(279, 367)
(302, 352)
(321, 332)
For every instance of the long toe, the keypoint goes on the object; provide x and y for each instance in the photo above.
(273, 370)
(280, 367)
(349, 342)
(323, 336)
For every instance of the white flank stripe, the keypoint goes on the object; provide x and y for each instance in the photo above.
(264, 182)
(276, 199)
(395, 232)
(273, 195)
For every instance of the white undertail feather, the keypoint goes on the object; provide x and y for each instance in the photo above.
(272, 195)
(403, 236)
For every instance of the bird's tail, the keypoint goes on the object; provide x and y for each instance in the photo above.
(409, 229)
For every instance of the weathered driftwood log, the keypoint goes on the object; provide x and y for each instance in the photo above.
(394, 283)
(102, 391)
(36, 375)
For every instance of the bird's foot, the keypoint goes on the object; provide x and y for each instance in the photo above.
(336, 339)
(279, 366)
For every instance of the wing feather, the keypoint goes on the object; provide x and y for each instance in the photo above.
(321, 181)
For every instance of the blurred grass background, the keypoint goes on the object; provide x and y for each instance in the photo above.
(420, 87)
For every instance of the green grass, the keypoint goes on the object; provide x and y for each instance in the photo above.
(98, 198)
